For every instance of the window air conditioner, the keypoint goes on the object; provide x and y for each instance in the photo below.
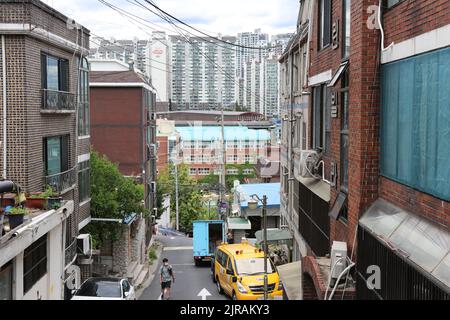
(308, 161)
(84, 244)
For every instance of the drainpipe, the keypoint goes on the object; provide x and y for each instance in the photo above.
(4, 105)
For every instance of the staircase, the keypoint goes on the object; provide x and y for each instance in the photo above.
(137, 273)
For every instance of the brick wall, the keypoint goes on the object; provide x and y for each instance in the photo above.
(42, 16)
(116, 128)
(416, 202)
(363, 112)
(411, 18)
(26, 125)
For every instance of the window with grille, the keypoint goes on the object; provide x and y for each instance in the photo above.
(34, 263)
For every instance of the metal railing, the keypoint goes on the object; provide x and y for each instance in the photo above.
(71, 252)
(57, 100)
(62, 181)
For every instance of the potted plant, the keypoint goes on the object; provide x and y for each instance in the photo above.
(36, 201)
(53, 198)
(15, 217)
(44, 200)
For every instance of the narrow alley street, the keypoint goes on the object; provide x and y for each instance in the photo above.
(189, 279)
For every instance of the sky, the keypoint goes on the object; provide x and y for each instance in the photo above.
(227, 17)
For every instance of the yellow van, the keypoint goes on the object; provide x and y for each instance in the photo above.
(238, 270)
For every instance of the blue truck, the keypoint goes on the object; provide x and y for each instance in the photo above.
(207, 235)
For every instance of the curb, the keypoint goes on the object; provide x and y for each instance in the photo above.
(151, 270)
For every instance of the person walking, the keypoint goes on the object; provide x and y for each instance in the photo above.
(167, 277)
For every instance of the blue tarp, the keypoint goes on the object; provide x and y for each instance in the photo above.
(415, 128)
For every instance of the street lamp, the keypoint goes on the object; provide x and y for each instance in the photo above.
(253, 205)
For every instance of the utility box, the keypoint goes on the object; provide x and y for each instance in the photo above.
(338, 258)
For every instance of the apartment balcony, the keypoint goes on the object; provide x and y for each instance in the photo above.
(62, 182)
(54, 101)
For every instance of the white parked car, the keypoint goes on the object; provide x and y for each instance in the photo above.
(105, 289)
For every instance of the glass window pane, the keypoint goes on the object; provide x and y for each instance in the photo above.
(52, 74)
(53, 156)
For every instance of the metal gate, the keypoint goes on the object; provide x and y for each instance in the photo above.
(400, 280)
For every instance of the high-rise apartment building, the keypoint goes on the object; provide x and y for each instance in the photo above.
(159, 66)
(245, 55)
(133, 51)
(202, 73)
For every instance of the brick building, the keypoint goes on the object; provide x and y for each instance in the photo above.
(45, 135)
(123, 125)
(371, 117)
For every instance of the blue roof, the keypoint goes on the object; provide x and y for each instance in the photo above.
(271, 190)
(211, 133)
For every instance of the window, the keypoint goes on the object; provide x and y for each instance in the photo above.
(248, 158)
(233, 171)
(232, 158)
(6, 281)
(415, 122)
(84, 172)
(192, 171)
(54, 73)
(230, 266)
(321, 118)
(344, 134)
(83, 99)
(346, 22)
(391, 3)
(324, 23)
(203, 171)
(248, 171)
(56, 154)
(34, 263)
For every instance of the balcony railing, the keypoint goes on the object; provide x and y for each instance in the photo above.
(62, 181)
(53, 100)
(71, 252)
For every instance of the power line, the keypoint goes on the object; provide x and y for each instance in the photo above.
(179, 30)
(204, 33)
(204, 55)
(115, 51)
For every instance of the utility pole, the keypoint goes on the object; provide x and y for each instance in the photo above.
(290, 142)
(266, 249)
(176, 197)
(223, 170)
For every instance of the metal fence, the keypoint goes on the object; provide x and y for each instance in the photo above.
(313, 219)
(57, 100)
(62, 181)
(400, 280)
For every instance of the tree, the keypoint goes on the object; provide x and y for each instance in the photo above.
(112, 196)
(189, 195)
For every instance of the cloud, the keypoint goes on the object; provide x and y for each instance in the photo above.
(227, 17)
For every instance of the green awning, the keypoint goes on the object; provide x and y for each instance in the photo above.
(239, 224)
(273, 235)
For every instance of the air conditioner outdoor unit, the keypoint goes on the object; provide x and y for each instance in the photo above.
(338, 259)
(308, 160)
(84, 244)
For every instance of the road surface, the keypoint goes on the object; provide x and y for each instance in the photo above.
(189, 279)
